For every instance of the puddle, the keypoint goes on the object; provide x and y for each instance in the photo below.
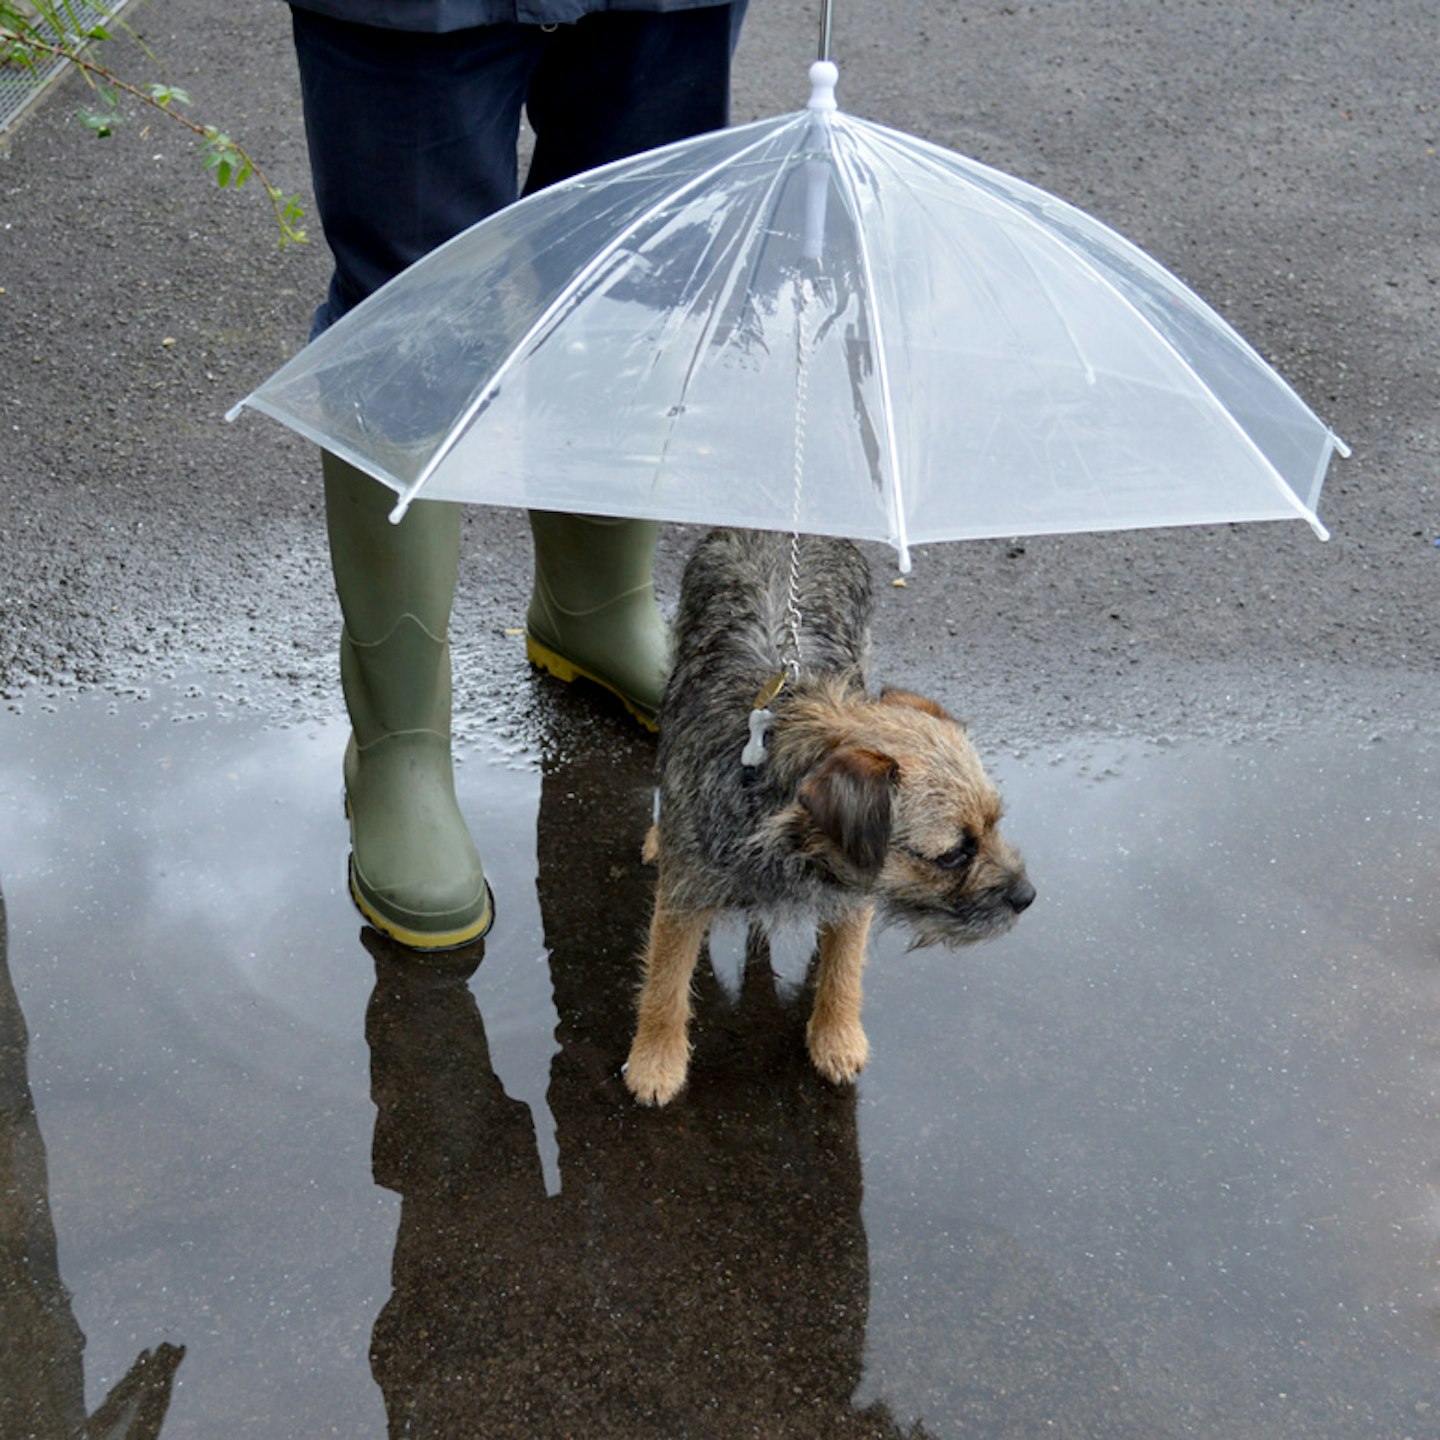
(1160, 1163)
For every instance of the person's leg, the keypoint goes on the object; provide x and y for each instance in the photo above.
(624, 81)
(613, 85)
(412, 138)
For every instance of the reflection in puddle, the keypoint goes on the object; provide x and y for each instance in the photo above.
(1159, 1163)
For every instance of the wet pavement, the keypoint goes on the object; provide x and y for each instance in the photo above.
(1160, 1164)
(1163, 1162)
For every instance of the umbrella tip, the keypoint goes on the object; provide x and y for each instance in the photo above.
(824, 76)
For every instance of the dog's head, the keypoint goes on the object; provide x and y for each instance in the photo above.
(900, 807)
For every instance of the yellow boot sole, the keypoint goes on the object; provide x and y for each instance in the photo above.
(424, 939)
(567, 670)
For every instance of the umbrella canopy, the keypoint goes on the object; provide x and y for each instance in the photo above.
(809, 323)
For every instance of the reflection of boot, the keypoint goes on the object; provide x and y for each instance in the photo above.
(414, 870)
(592, 613)
(474, 1248)
(444, 1126)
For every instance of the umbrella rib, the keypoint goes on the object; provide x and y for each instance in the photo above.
(851, 191)
(761, 214)
(537, 327)
(934, 155)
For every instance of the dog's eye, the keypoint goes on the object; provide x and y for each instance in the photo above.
(960, 856)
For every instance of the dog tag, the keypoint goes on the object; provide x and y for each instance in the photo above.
(754, 752)
(760, 717)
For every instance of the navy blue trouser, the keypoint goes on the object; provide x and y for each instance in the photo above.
(413, 136)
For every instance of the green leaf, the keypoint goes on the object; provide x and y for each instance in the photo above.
(102, 122)
(213, 154)
(15, 53)
(167, 95)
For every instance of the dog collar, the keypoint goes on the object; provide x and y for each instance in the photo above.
(761, 718)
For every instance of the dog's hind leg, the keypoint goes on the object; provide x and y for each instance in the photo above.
(660, 1052)
(836, 1041)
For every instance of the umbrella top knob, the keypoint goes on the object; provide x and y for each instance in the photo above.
(824, 76)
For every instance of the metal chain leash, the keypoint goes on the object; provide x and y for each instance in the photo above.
(793, 616)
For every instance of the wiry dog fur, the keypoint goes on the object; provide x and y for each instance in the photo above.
(861, 803)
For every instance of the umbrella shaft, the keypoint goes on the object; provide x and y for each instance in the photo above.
(824, 30)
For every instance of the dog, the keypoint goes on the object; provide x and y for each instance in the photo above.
(789, 792)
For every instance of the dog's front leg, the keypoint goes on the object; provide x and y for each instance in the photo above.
(660, 1052)
(837, 1042)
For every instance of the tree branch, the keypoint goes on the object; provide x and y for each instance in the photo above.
(230, 163)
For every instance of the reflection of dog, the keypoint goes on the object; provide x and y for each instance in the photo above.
(841, 804)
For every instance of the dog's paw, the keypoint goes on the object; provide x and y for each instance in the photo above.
(655, 1075)
(838, 1052)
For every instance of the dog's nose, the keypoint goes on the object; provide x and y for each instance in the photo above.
(1021, 896)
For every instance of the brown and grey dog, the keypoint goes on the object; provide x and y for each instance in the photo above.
(857, 803)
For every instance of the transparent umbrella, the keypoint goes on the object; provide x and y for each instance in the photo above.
(811, 323)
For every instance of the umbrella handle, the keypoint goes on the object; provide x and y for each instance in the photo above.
(824, 30)
(823, 78)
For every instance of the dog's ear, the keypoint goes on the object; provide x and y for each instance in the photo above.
(849, 799)
(891, 696)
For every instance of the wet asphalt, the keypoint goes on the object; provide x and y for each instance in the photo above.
(1160, 1163)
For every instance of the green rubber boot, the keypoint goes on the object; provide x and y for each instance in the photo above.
(414, 871)
(592, 612)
